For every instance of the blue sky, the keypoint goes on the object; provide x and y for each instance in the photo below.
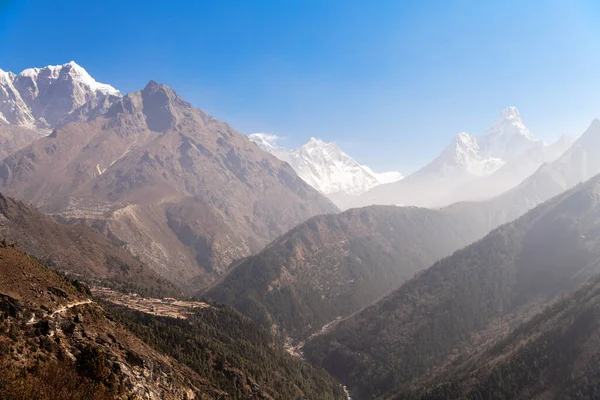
(390, 81)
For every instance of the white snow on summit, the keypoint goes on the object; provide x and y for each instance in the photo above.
(325, 166)
(463, 156)
(45, 97)
(508, 137)
(384, 177)
(76, 72)
(472, 167)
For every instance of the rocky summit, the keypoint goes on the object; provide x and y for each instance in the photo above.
(182, 190)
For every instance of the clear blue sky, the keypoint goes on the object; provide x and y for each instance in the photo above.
(391, 81)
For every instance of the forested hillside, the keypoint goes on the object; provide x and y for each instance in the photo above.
(333, 265)
(468, 300)
(553, 356)
(233, 353)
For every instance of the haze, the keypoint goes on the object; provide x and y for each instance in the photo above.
(299, 201)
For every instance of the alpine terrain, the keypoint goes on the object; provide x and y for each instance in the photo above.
(327, 168)
(472, 167)
(185, 192)
(39, 99)
(579, 163)
(46, 97)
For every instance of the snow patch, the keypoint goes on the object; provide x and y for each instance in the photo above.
(325, 166)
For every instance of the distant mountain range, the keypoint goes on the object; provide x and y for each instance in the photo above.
(185, 192)
(472, 167)
(332, 266)
(326, 167)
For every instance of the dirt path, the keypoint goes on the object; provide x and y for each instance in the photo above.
(62, 309)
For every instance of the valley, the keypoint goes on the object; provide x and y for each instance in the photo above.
(315, 201)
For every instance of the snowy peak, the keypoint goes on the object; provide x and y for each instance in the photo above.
(460, 151)
(474, 167)
(268, 142)
(13, 109)
(69, 71)
(384, 177)
(462, 159)
(511, 113)
(264, 140)
(508, 137)
(325, 166)
(6, 77)
(320, 149)
(45, 97)
(465, 143)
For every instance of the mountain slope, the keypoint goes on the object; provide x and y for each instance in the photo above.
(77, 251)
(46, 97)
(57, 342)
(325, 166)
(14, 137)
(467, 300)
(472, 167)
(553, 356)
(185, 192)
(333, 265)
(234, 353)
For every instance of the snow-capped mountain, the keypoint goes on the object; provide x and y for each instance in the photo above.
(508, 137)
(472, 167)
(384, 177)
(514, 171)
(325, 166)
(463, 159)
(45, 97)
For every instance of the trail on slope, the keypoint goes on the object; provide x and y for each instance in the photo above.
(64, 308)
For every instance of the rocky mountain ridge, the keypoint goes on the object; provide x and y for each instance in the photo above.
(185, 192)
(46, 97)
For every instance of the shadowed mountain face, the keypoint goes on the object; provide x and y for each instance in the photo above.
(468, 300)
(333, 265)
(187, 193)
(78, 251)
(555, 355)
